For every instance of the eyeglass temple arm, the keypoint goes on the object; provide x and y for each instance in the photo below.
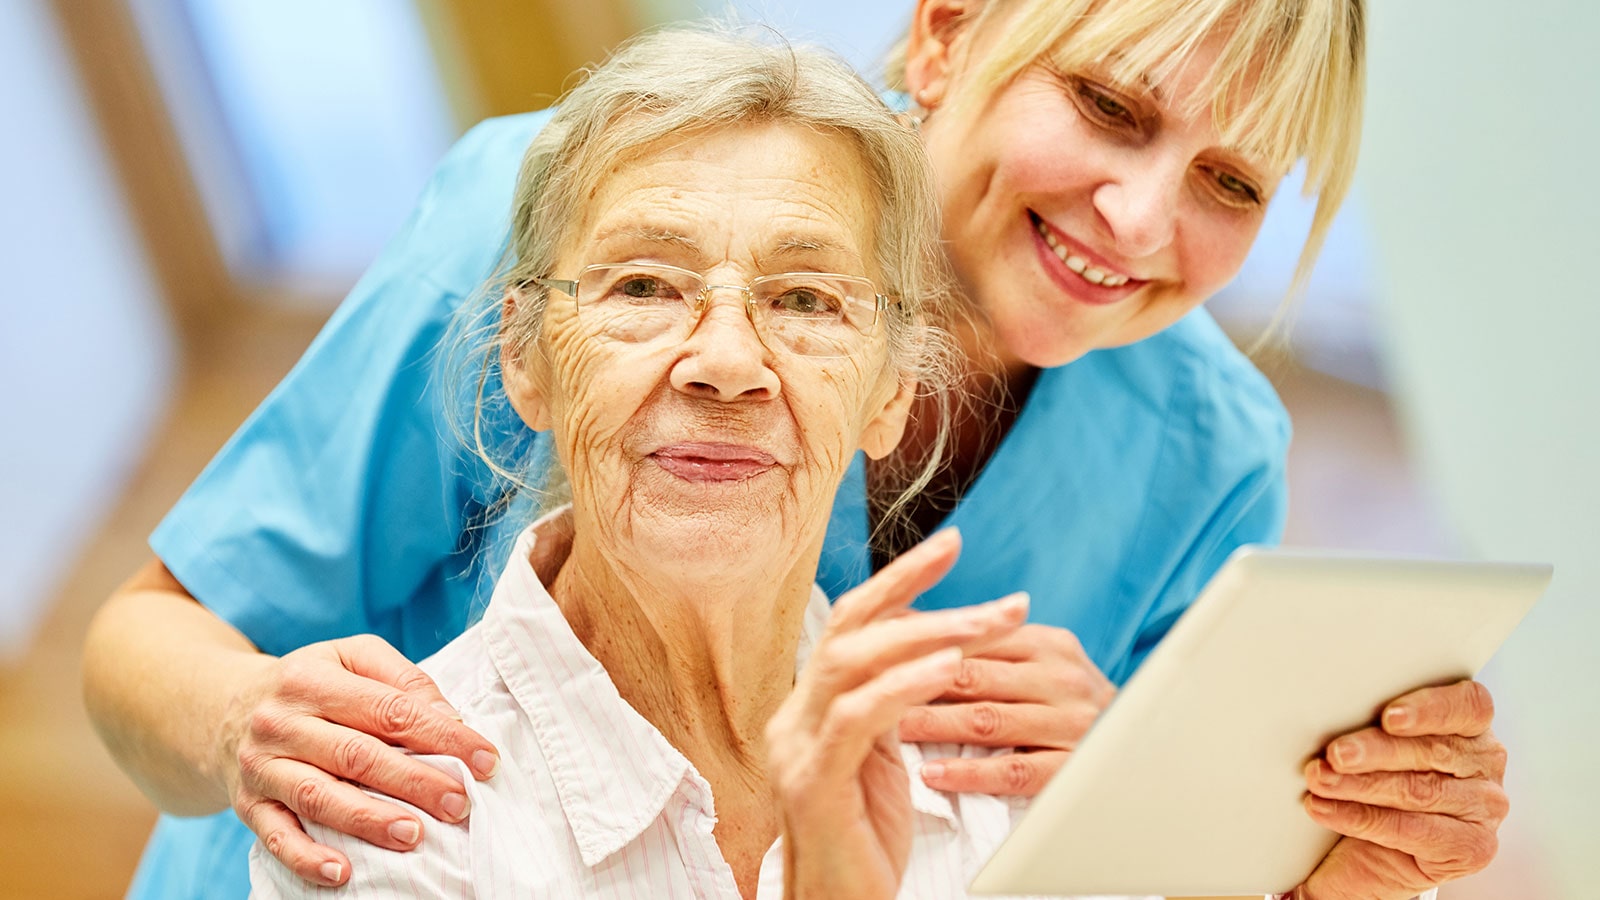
(568, 286)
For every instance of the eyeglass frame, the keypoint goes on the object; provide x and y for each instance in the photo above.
(569, 286)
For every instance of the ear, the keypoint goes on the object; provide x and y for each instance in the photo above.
(931, 53)
(522, 373)
(884, 430)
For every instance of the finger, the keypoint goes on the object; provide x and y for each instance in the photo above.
(423, 722)
(1011, 775)
(1033, 641)
(402, 719)
(844, 661)
(1372, 750)
(1443, 846)
(1472, 799)
(1051, 681)
(1464, 708)
(859, 718)
(898, 583)
(316, 796)
(998, 724)
(1006, 682)
(282, 836)
(367, 761)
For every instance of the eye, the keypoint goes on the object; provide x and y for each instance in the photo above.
(641, 287)
(1233, 189)
(1105, 106)
(806, 301)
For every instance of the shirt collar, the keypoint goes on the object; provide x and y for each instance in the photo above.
(613, 771)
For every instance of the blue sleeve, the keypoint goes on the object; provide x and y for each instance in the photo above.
(341, 505)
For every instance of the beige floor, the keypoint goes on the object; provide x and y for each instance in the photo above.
(71, 826)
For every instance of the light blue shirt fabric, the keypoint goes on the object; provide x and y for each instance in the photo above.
(342, 506)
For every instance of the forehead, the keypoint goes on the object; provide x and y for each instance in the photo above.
(768, 195)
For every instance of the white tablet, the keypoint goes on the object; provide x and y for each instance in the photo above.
(1191, 782)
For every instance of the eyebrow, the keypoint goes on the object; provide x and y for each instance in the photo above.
(650, 234)
(792, 245)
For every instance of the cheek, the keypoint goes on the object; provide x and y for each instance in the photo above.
(1215, 244)
(599, 390)
(831, 406)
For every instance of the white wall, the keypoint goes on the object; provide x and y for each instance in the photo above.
(862, 31)
(1479, 173)
(85, 356)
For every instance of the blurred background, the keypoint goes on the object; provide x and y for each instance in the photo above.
(188, 187)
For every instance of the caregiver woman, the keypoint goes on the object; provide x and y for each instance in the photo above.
(1103, 169)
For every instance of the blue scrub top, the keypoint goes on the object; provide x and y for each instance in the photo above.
(343, 506)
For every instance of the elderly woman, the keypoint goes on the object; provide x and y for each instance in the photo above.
(720, 292)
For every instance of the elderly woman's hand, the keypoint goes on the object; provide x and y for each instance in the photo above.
(1419, 799)
(324, 716)
(1036, 690)
(832, 753)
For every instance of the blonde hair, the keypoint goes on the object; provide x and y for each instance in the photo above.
(1288, 82)
(676, 84)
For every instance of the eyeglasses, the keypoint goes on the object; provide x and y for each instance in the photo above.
(814, 314)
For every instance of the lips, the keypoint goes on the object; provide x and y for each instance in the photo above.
(1079, 271)
(705, 462)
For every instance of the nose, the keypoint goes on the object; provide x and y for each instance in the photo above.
(723, 358)
(1140, 207)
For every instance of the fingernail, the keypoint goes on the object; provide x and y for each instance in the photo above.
(1321, 805)
(454, 806)
(932, 771)
(446, 709)
(1346, 753)
(405, 831)
(1396, 717)
(484, 763)
(1014, 603)
(331, 872)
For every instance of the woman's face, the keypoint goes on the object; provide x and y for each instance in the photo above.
(1081, 214)
(715, 443)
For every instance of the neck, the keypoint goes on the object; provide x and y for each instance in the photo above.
(705, 660)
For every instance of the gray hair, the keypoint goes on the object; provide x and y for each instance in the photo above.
(679, 81)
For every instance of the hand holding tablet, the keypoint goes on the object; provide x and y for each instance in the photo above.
(1192, 782)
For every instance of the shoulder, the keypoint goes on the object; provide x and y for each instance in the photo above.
(1203, 389)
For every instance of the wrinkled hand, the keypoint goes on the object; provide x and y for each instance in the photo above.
(1036, 690)
(1419, 799)
(325, 716)
(832, 756)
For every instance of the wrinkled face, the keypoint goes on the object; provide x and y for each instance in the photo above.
(715, 443)
(1083, 214)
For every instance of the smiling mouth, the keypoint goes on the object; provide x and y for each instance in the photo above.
(713, 463)
(1077, 265)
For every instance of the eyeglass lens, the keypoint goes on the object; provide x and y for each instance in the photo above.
(807, 314)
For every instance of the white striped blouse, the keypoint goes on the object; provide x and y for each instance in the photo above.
(591, 801)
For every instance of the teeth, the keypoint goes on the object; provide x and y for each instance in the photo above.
(1078, 264)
